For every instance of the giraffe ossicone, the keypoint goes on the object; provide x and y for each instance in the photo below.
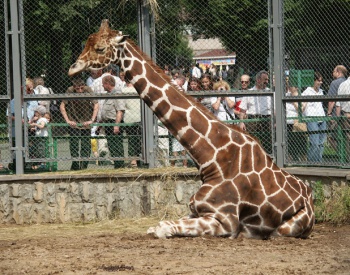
(243, 192)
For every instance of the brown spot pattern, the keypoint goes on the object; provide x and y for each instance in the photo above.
(178, 120)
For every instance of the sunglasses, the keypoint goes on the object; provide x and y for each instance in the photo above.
(246, 82)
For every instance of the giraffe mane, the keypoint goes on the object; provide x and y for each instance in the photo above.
(190, 98)
(148, 59)
(198, 105)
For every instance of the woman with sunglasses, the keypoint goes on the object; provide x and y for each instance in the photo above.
(223, 106)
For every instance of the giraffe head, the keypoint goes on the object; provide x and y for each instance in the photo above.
(99, 50)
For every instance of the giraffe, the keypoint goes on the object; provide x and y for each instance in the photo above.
(243, 192)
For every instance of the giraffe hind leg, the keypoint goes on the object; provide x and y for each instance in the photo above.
(299, 226)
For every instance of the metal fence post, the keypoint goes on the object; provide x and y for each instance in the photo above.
(277, 14)
(16, 85)
(144, 24)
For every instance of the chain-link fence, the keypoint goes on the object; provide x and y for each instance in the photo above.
(213, 41)
(317, 53)
(5, 131)
(198, 44)
(67, 125)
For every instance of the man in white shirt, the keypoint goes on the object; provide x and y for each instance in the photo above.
(94, 74)
(258, 107)
(97, 87)
(255, 106)
(343, 106)
(343, 109)
(196, 72)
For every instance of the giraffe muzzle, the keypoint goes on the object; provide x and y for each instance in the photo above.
(76, 68)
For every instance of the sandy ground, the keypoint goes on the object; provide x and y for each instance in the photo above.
(122, 247)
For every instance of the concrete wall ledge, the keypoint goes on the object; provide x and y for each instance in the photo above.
(319, 172)
(165, 173)
(112, 174)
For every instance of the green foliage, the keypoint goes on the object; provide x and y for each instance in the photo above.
(55, 33)
(310, 40)
(340, 206)
(335, 209)
(241, 26)
(319, 202)
(171, 42)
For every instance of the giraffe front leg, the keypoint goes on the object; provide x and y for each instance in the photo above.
(191, 227)
(161, 231)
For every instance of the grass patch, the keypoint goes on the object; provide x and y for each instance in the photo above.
(336, 208)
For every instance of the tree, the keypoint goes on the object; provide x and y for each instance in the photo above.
(55, 32)
(241, 26)
(317, 35)
(171, 42)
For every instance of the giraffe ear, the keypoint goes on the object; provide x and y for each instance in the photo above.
(119, 38)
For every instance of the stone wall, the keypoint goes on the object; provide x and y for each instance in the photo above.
(58, 198)
(86, 198)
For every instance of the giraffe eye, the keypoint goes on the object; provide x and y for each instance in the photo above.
(99, 50)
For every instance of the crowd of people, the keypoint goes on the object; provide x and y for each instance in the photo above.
(227, 108)
(99, 126)
(82, 117)
(317, 126)
(309, 126)
(37, 116)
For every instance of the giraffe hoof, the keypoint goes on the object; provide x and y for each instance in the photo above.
(151, 230)
(161, 231)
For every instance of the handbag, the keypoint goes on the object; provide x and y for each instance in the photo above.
(227, 111)
(299, 126)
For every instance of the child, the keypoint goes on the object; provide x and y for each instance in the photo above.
(41, 131)
(94, 144)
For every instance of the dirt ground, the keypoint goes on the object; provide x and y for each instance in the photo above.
(122, 247)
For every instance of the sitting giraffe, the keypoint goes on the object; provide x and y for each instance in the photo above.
(243, 192)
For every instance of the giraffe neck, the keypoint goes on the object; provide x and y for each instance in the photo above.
(186, 119)
(168, 103)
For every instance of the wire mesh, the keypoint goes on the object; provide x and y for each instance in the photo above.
(216, 41)
(198, 44)
(78, 132)
(316, 57)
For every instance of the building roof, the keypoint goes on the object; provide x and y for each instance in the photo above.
(216, 53)
(204, 44)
